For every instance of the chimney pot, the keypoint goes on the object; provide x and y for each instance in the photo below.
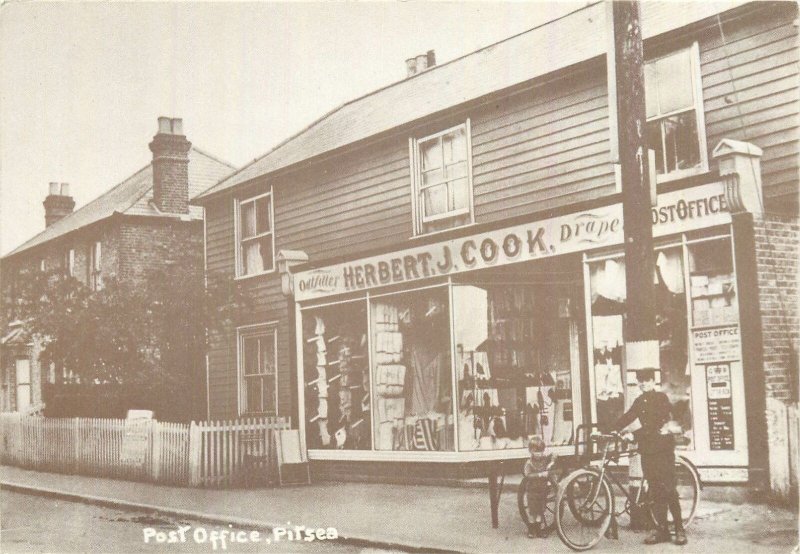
(411, 67)
(177, 126)
(58, 203)
(431, 55)
(422, 63)
(164, 126)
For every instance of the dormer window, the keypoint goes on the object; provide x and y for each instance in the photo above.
(442, 174)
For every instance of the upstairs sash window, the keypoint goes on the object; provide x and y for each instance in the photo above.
(255, 236)
(443, 180)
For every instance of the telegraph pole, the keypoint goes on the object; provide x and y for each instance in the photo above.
(641, 340)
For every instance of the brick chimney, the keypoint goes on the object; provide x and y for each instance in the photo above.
(171, 166)
(58, 203)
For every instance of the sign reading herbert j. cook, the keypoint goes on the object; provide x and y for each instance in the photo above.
(676, 212)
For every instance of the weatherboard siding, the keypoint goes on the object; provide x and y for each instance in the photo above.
(540, 147)
(750, 93)
(267, 305)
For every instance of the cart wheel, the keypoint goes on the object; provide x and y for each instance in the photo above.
(549, 514)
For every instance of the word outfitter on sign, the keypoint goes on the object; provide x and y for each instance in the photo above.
(676, 212)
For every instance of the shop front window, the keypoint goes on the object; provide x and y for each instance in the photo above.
(336, 379)
(716, 347)
(411, 371)
(615, 388)
(513, 366)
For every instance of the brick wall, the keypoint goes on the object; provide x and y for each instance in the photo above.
(777, 242)
(144, 244)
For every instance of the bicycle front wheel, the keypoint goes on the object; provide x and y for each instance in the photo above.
(584, 507)
(688, 486)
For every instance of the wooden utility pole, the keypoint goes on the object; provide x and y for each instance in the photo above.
(641, 341)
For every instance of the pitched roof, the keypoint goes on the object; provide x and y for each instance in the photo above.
(132, 196)
(571, 39)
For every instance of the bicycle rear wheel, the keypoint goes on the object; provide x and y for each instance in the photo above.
(688, 487)
(549, 513)
(584, 506)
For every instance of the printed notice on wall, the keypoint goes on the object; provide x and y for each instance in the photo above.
(720, 408)
(716, 345)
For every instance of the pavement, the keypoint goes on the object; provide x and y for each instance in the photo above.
(401, 517)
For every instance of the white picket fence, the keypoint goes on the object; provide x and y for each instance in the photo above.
(204, 454)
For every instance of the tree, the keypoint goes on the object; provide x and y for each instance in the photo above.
(144, 338)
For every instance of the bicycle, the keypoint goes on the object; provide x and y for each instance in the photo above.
(586, 507)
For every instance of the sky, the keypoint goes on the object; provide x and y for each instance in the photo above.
(82, 84)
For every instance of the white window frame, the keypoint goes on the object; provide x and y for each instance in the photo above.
(416, 182)
(697, 90)
(69, 262)
(19, 383)
(251, 331)
(42, 266)
(95, 261)
(237, 210)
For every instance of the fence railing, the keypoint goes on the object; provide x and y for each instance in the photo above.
(204, 454)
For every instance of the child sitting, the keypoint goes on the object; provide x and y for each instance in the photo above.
(536, 475)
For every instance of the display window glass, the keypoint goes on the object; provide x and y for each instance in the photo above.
(412, 371)
(615, 389)
(513, 366)
(336, 379)
(716, 347)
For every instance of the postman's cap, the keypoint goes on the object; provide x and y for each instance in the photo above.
(646, 374)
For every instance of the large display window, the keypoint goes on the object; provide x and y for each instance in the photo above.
(336, 377)
(411, 369)
(513, 366)
(716, 344)
(695, 300)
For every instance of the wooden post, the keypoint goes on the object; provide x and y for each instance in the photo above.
(194, 454)
(76, 430)
(155, 459)
(641, 344)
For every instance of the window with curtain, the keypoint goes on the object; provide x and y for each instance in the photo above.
(442, 182)
(254, 253)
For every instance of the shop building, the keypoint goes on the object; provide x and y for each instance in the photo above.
(437, 266)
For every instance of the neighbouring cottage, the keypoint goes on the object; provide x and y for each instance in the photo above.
(138, 225)
(438, 264)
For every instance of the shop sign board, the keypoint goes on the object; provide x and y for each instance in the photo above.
(717, 344)
(677, 211)
(720, 407)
